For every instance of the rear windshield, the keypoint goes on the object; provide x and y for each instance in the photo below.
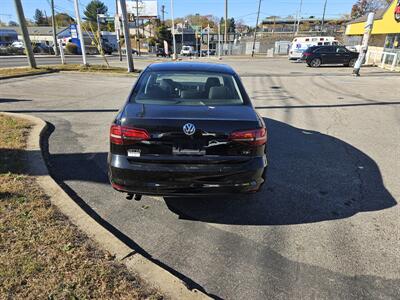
(187, 88)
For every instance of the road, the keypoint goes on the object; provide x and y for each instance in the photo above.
(326, 224)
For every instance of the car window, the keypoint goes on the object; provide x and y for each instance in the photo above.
(325, 49)
(341, 50)
(187, 88)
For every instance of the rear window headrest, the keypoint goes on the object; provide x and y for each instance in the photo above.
(218, 92)
(190, 94)
(166, 84)
(212, 81)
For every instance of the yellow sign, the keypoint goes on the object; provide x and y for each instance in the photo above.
(386, 25)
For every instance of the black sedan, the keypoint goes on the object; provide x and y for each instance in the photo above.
(187, 129)
(320, 55)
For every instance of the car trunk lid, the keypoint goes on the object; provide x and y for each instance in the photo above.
(209, 142)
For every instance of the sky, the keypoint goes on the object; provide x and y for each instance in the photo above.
(239, 9)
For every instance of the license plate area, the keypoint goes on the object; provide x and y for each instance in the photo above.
(191, 152)
(189, 147)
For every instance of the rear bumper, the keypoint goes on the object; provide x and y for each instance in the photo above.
(186, 179)
(295, 55)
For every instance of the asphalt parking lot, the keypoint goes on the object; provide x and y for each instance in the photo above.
(326, 224)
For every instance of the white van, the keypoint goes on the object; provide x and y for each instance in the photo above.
(188, 51)
(300, 44)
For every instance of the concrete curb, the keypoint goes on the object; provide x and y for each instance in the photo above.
(153, 274)
(133, 75)
(27, 75)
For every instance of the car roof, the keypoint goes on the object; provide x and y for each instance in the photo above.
(191, 66)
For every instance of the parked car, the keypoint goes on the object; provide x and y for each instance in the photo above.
(134, 51)
(108, 48)
(205, 52)
(187, 129)
(18, 44)
(188, 51)
(42, 48)
(161, 53)
(321, 55)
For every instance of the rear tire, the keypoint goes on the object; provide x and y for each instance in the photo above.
(315, 62)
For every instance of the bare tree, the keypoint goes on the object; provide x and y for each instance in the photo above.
(362, 7)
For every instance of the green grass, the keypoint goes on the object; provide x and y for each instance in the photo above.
(42, 254)
(6, 72)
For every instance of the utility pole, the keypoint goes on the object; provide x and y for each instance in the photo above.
(226, 23)
(255, 29)
(182, 34)
(25, 35)
(364, 46)
(208, 41)
(219, 40)
(137, 26)
(98, 32)
(118, 30)
(128, 46)
(323, 16)
(82, 41)
(195, 36)
(173, 29)
(298, 17)
(162, 13)
(53, 21)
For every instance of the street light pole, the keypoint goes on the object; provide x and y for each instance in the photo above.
(323, 16)
(255, 29)
(82, 42)
(173, 29)
(118, 30)
(298, 17)
(226, 22)
(137, 26)
(128, 46)
(53, 21)
(25, 35)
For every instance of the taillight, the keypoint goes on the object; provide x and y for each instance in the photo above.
(307, 54)
(121, 135)
(255, 137)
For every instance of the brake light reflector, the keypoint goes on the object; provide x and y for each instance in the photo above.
(121, 135)
(307, 54)
(255, 137)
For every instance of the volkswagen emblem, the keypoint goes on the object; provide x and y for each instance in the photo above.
(189, 129)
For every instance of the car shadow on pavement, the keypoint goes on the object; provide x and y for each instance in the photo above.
(312, 177)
